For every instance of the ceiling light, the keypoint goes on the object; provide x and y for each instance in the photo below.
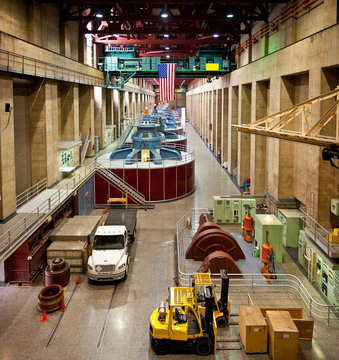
(167, 56)
(216, 35)
(167, 47)
(98, 15)
(230, 15)
(164, 15)
(166, 35)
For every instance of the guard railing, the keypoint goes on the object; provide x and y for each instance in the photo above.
(21, 64)
(31, 192)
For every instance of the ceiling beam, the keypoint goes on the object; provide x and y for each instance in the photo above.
(240, 4)
(173, 19)
(181, 41)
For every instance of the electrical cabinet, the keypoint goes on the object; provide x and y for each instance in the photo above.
(219, 210)
(269, 229)
(321, 270)
(292, 222)
(232, 210)
(335, 206)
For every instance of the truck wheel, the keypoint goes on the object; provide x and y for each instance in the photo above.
(203, 346)
(221, 321)
(161, 347)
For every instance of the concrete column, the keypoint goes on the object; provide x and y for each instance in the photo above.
(209, 118)
(232, 132)
(225, 119)
(116, 111)
(201, 112)
(7, 153)
(34, 34)
(44, 127)
(139, 103)
(258, 168)
(86, 106)
(100, 115)
(218, 122)
(133, 105)
(109, 107)
(69, 111)
(214, 120)
(206, 120)
(244, 153)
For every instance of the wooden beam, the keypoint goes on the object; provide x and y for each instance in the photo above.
(288, 136)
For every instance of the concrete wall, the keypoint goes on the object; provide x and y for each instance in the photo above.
(292, 74)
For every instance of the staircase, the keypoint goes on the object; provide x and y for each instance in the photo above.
(121, 184)
(124, 136)
(84, 148)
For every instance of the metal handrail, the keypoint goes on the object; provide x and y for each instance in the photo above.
(17, 234)
(17, 63)
(252, 281)
(119, 181)
(188, 156)
(294, 9)
(318, 232)
(30, 193)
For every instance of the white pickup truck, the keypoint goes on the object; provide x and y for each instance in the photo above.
(111, 247)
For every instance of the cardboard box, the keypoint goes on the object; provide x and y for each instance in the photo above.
(283, 336)
(253, 329)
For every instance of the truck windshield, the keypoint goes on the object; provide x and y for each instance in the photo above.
(108, 242)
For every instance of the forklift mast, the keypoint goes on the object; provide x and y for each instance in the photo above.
(210, 329)
(225, 280)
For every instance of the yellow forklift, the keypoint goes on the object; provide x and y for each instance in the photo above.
(189, 322)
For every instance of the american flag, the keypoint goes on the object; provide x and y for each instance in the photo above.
(167, 81)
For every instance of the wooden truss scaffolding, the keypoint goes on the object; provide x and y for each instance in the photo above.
(276, 125)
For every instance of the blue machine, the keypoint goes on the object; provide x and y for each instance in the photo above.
(146, 146)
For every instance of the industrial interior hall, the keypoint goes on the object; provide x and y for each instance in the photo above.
(169, 179)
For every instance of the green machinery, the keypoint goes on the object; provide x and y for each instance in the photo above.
(121, 62)
(231, 210)
(292, 222)
(321, 270)
(268, 229)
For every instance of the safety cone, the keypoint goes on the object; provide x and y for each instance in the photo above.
(62, 305)
(44, 317)
(78, 281)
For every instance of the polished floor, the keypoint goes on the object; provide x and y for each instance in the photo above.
(111, 321)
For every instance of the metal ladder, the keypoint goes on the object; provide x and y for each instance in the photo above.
(121, 184)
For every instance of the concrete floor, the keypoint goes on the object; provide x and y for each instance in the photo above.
(92, 329)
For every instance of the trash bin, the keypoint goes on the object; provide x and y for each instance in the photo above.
(96, 144)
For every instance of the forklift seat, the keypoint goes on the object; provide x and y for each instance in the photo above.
(182, 318)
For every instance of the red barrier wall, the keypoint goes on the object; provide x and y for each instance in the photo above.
(167, 183)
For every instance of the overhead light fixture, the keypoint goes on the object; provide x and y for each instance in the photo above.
(166, 35)
(167, 56)
(230, 15)
(164, 15)
(216, 35)
(167, 47)
(98, 15)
